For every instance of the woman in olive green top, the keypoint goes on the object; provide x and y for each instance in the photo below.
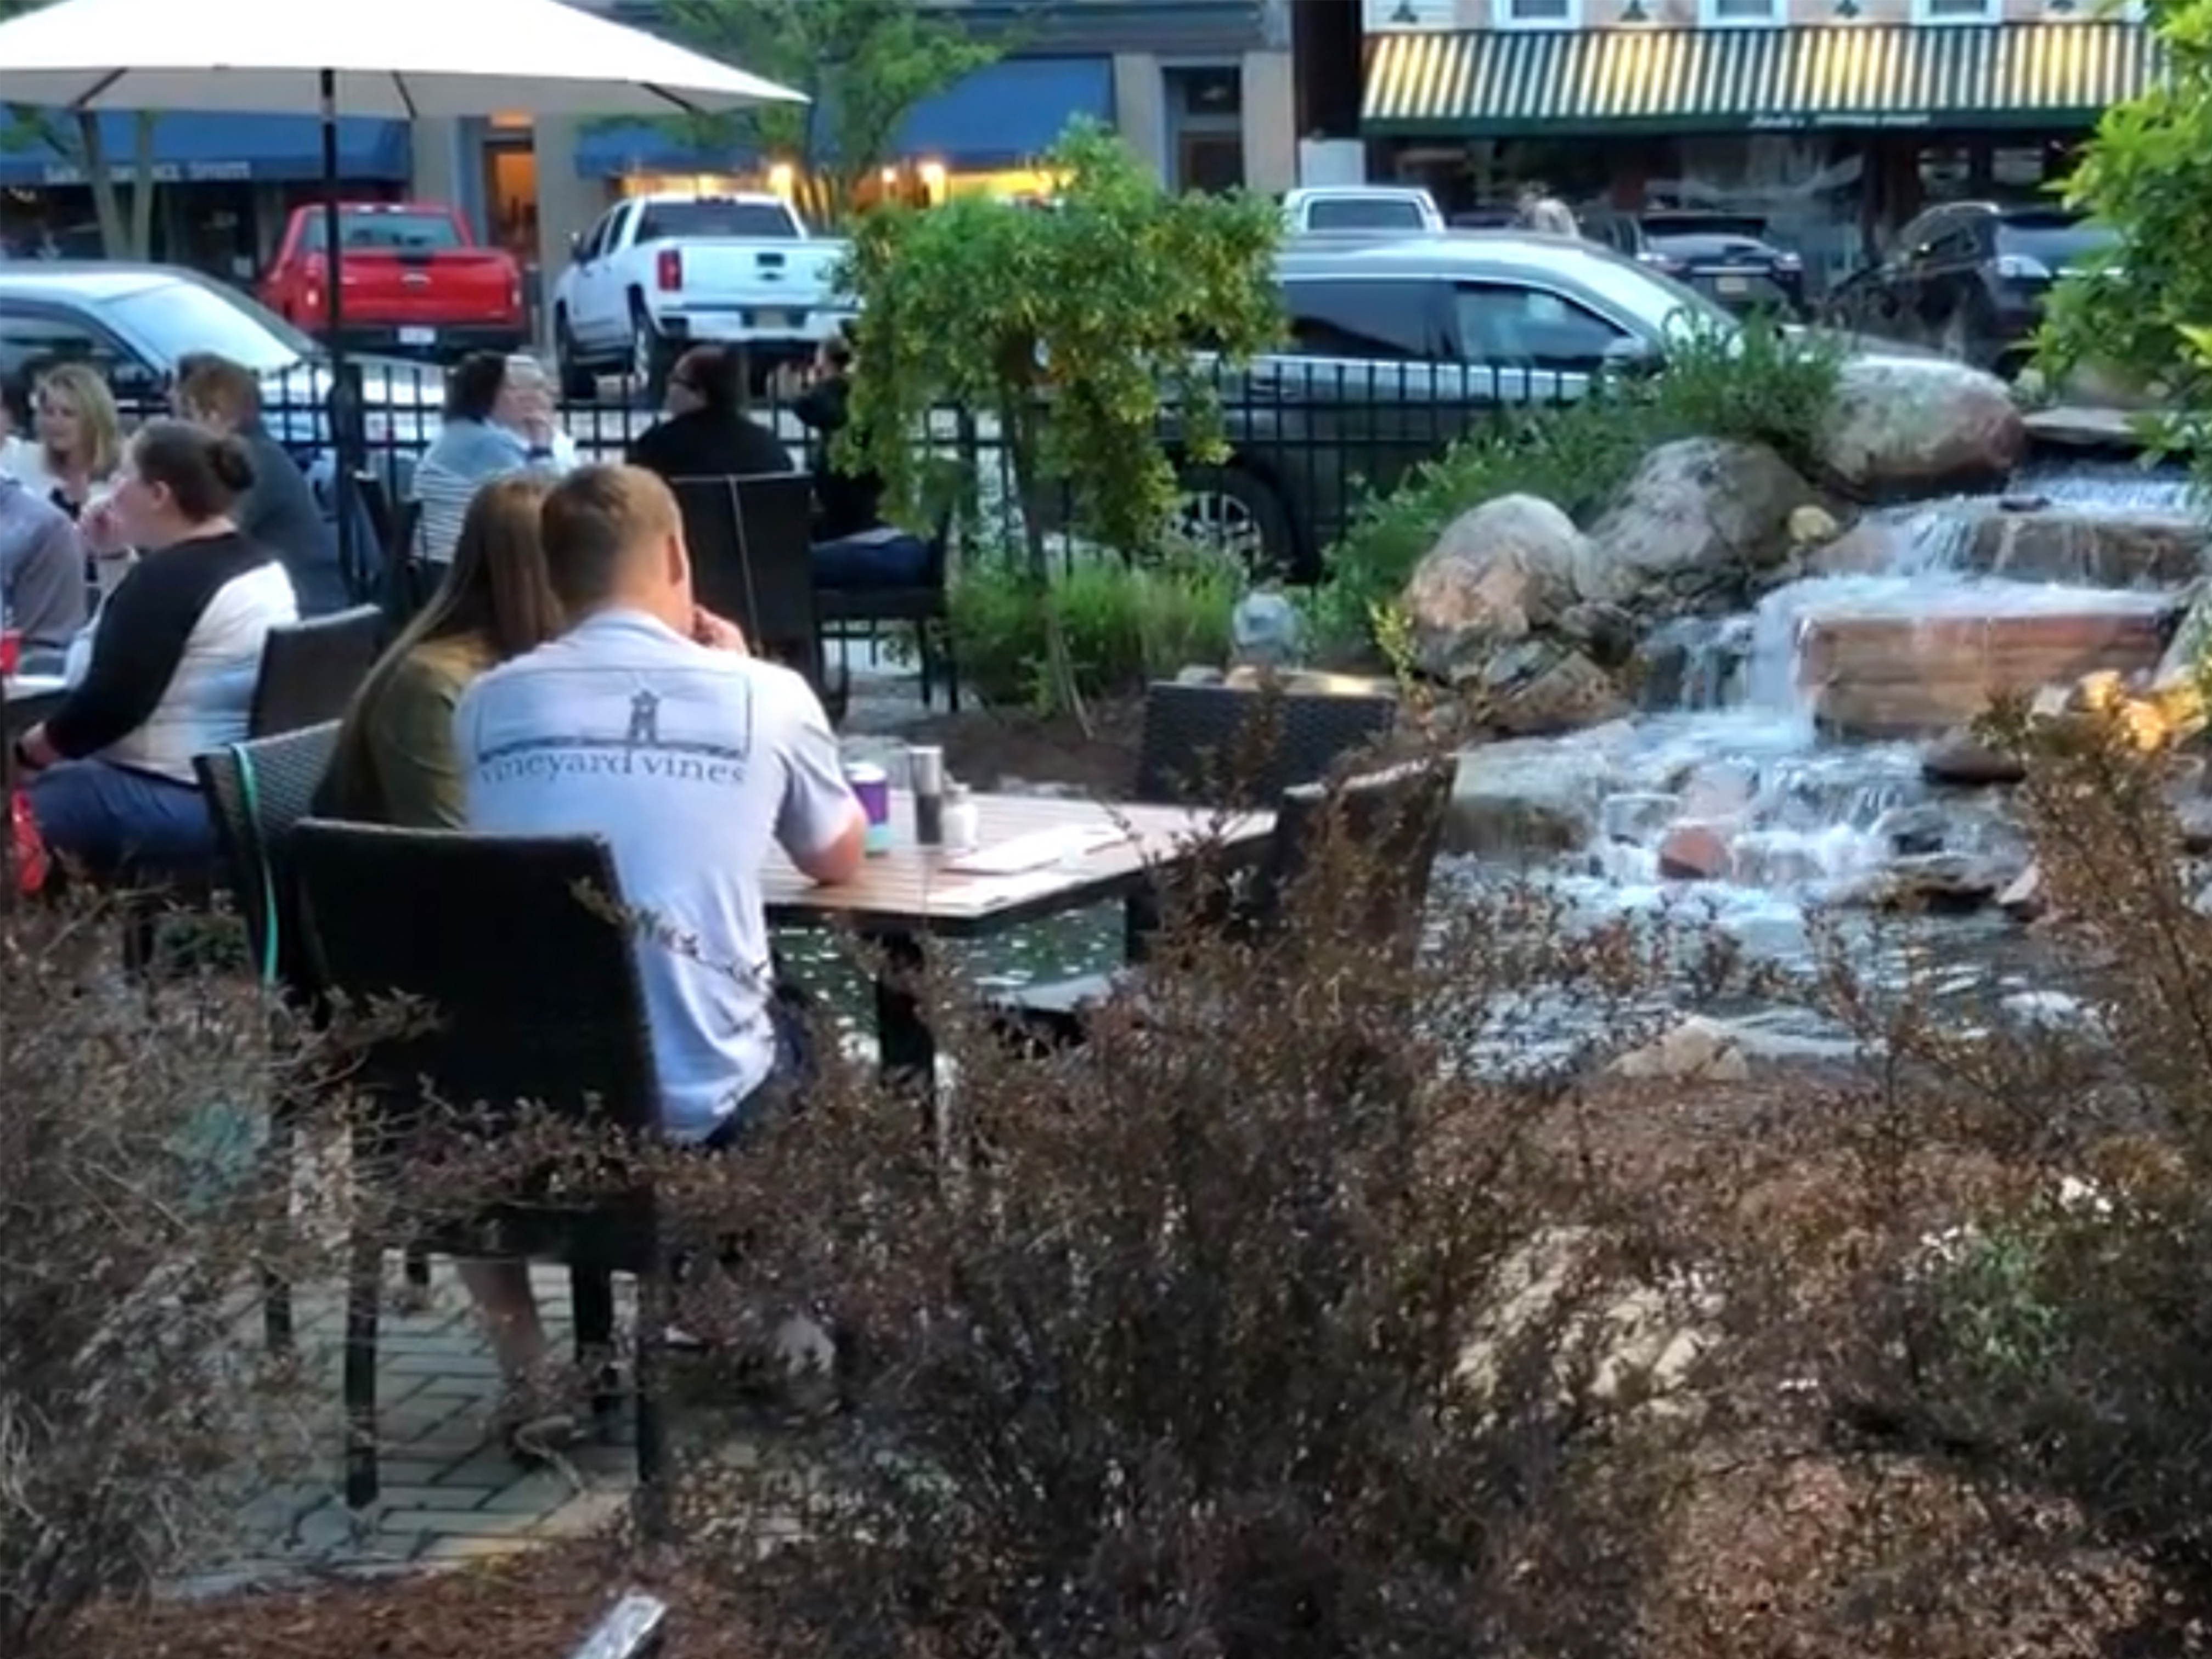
(394, 762)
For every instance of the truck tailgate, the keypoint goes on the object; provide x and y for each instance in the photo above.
(430, 288)
(764, 278)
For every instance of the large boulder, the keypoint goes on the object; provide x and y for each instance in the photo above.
(1699, 524)
(1498, 573)
(2101, 550)
(1903, 427)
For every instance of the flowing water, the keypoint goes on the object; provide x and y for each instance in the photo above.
(1807, 821)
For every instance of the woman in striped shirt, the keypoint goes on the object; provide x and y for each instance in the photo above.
(499, 422)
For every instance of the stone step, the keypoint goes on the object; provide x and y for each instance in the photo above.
(1892, 674)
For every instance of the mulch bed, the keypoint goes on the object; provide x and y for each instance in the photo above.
(536, 1606)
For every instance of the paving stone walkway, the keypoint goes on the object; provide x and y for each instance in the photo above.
(449, 1494)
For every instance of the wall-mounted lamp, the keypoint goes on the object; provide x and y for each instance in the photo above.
(1405, 14)
(1847, 9)
(2060, 8)
(1633, 12)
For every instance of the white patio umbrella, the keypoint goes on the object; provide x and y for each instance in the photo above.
(398, 59)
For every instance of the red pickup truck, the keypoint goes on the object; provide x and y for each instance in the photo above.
(415, 280)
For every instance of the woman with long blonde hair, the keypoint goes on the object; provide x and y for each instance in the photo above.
(78, 438)
(394, 762)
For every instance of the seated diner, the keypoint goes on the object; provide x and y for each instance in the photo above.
(393, 764)
(168, 670)
(725, 757)
(854, 548)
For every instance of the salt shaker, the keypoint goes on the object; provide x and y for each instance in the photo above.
(963, 825)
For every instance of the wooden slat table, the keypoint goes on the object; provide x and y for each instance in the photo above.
(909, 890)
(906, 894)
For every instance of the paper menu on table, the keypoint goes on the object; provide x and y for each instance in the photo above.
(1040, 849)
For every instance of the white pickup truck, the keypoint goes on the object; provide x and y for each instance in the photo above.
(659, 273)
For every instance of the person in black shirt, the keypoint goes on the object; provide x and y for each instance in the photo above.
(168, 669)
(279, 511)
(707, 433)
(852, 546)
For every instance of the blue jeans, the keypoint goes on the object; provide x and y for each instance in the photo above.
(783, 1091)
(873, 558)
(109, 818)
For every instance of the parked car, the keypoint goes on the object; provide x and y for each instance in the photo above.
(1360, 210)
(1398, 348)
(659, 272)
(413, 279)
(1969, 278)
(1729, 256)
(133, 322)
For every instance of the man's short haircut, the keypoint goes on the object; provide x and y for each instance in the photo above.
(207, 381)
(595, 520)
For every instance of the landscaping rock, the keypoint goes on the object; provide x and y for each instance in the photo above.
(1879, 671)
(1957, 758)
(1528, 796)
(1868, 548)
(2023, 899)
(1906, 427)
(2101, 550)
(1692, 662)
(1940, 883)
(1538, 689)
(1495, 575)
(1694, 851)
(1696, 527)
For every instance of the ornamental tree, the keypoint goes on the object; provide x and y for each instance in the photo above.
(2145, 175)
(1077, 326)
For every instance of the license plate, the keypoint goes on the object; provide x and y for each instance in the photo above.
(772, 319)
(418, 337)
(1734, 284)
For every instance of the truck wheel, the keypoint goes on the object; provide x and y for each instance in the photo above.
(577, 379)
(650, 355)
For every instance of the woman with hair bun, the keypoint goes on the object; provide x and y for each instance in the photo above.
(168, 670)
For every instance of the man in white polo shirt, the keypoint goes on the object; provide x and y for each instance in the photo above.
(648, 724)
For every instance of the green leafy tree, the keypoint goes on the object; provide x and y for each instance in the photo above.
(1077, 329)
(124, 209)
(864, 65)
(2139, 309)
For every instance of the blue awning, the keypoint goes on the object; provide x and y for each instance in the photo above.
(1009, 112)
(222, 148)
(1004, 114)
(614, 149)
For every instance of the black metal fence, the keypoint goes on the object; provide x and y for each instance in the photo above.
(1307, 439)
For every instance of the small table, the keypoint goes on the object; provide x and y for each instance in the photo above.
(906, 895)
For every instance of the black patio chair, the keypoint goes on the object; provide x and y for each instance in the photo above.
(401, 583)
(1395, 817)
(443, 919)
(310, 670)
(752, 561)
(926, 607)
(257, 792)
(1229, 747)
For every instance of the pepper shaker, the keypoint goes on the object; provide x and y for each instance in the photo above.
(925, 777)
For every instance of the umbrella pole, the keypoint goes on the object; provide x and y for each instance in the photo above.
(344, 407)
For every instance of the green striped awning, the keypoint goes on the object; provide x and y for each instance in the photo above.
(1487, 82)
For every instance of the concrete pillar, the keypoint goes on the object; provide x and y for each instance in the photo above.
(436, 164)
(1140, 113)
(1271, 132)
(566, 206)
